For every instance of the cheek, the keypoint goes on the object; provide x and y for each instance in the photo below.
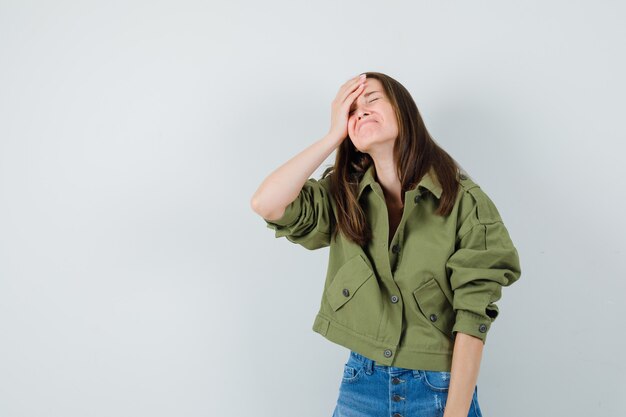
(390, 119)
(351, 123)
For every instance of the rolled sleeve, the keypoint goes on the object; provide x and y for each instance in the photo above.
(292, 211)
(307, 220)
(484, 261)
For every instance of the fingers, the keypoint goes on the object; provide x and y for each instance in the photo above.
(357, 92)
(354, 92)
(350, 83)
(353, 97)
(352, 86)
(352, 79)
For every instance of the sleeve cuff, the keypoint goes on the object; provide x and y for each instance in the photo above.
(472, 324)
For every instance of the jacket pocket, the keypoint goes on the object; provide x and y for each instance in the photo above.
(347, 281)
(434, 305)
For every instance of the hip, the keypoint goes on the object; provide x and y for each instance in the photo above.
(370, 390)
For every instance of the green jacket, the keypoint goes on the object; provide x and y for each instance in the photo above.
(402, 304)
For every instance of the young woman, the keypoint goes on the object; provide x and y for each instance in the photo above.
(418, 254)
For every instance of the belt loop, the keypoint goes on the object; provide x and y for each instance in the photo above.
(369, 366)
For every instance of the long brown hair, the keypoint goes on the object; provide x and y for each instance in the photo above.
(415, 152)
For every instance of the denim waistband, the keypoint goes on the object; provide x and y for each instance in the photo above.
(370, 365)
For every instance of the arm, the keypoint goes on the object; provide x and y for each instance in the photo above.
(485, 260)
(307, 219)
(466, 359)
(283, 185)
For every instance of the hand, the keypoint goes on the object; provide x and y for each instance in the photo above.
(340, 106)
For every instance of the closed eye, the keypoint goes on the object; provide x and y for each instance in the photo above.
(352, 111)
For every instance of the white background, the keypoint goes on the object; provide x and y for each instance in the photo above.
(135, 280)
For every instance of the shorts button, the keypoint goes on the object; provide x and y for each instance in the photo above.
(396, 380)
(397, 398)
(396, 415)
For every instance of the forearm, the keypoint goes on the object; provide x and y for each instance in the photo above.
(466, 358)
(282, 186)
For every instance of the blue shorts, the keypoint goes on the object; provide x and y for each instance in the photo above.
(371, 390)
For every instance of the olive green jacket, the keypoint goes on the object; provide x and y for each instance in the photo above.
(402, 304)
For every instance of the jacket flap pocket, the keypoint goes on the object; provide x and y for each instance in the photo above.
(347, 281)
(435, 306)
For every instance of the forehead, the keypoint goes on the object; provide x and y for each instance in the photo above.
(372, 84)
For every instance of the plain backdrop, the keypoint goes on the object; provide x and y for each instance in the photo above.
(135, 279)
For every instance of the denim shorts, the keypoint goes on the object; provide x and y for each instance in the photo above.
(371, 390)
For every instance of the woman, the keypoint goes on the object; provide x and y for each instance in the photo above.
(418, 254)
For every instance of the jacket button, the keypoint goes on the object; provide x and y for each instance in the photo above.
(395, 248)
(394, 299)
(482, 328)
(388, 353)
(396, 398)
(396, 380)
(346, 292)
(433, 317)
(463, 176)
(417, 198)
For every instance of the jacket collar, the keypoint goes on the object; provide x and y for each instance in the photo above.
(428, 181)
